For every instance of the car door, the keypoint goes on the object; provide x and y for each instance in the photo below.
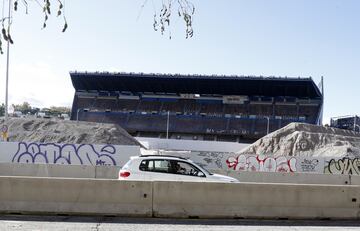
(189, 172)
(159, 169)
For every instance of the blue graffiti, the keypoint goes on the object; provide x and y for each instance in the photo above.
(51, 153)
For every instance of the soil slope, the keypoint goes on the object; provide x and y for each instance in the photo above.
(299, 139)
(71, 132)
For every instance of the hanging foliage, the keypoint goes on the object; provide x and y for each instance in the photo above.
(46, 5)
(183, 8)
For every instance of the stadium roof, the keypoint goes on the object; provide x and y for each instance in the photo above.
(195, 84)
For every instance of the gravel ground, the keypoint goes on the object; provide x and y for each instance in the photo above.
(65, 131)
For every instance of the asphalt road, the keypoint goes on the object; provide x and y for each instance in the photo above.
(54, 223)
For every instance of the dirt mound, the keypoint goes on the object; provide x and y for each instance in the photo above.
(299, 139)
(71, 132)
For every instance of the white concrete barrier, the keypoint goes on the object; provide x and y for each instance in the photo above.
(292, 178)
(58, 170)
(178, 199)
(251, 200)
(47, 170)
(111, 172)
(75, 196)
(107, 172)
(72, 154)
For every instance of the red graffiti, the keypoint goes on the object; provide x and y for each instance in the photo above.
(261, 163)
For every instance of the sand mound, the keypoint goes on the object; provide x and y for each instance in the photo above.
(71, 132)
(299, 139)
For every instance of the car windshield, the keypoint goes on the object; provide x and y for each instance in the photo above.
(204, 170)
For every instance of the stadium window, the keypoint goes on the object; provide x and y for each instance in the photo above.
(302, 118)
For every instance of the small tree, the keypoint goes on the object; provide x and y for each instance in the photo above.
(2, 109)
(59, 110)
(24, 108)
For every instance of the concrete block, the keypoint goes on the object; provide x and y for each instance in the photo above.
(354, 179)
(47, 170)
(291, 178)
(255, 200)
(75, 196)
(107, 172)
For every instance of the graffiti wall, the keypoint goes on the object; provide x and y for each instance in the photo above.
(262, 163)
(346, 165)
(118, 155)
(75, 154)
(329, 165)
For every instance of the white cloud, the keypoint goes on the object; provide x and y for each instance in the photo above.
(40, 85)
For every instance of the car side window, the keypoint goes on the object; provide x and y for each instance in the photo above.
(170, 166)
(155, 165)
(161, 166)
(183, 168)
(144, 165)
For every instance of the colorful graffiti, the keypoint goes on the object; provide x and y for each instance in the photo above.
(261, 163)
(84, 154)
(343, 166)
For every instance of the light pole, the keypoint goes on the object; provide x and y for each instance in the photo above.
(7, 66)
(355, 125)
(167, 125)
(268, 124)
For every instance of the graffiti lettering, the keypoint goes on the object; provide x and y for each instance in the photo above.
(308, 165)
(212, 157)
(343, 166)
(261, 164)
(84, 154)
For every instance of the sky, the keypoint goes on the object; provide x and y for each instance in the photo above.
(285, 38)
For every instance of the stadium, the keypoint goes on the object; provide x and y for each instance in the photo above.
(346, 122)
(237, 109)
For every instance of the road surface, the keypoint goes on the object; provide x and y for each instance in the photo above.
(55, 223)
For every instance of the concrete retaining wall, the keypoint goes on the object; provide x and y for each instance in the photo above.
(177, 199)
(220, 200)
(294, 178)
(69, 154)
(57, 170)
(111, 172)
(75, 196)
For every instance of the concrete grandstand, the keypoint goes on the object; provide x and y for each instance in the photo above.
(195, 107)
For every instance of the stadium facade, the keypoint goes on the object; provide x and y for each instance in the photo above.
(346, 122)
(195, 107)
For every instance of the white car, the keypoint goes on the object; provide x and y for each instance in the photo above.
(167, 168)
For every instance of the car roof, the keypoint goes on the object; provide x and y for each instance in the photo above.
(163, 156)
